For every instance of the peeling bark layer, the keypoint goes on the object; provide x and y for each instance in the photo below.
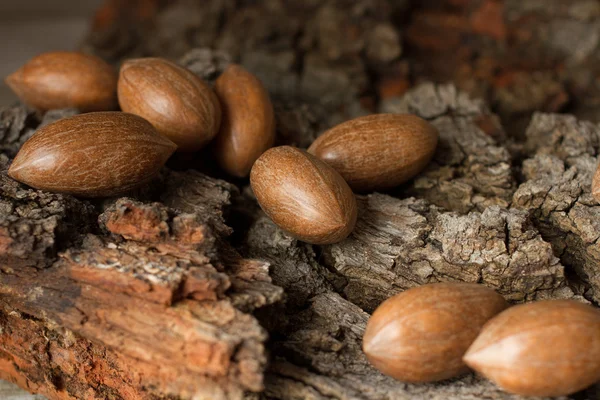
(150, 301)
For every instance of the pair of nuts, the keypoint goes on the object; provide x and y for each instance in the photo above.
(435, 332)
(309, 194)
(186, 110)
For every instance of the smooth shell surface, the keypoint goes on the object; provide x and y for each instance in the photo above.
(65, 79)
(180, 105)
(421, 335)
(303, 195)
(379, 151)
(248, 124)
(92, 155)
(548, 348)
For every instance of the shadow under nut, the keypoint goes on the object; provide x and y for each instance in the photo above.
(303, 195)
(379, 151)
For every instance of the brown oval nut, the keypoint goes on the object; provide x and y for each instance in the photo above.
(548, 348)
(180, 105)
(92, 155)
(65, 79)
(248, 124)
(421, 335)
(379, 151)
(303, 195)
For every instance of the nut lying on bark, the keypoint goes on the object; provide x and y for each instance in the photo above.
(248, 124)
(180, 105)
(303, 195)
(548, 348)
(421, 335)
(92, 155)
(377, 151)
(65, 79)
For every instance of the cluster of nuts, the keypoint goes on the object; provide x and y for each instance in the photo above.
(437, 331)
(425, 334)
(307, 193)
(164, 108)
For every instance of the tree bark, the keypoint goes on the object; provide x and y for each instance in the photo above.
(556, 191)
(149, 301)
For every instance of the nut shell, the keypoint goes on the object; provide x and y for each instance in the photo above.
(421, 335)
(548, 348)
(92, 155)
(379, 151)
(303, 195)
(65, 79)
(248, 123)
(180, 105)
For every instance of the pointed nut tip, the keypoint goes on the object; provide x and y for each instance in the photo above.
(13, 170)
(13, 79)
(472, 357)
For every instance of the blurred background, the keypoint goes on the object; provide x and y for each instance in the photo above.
(29, 27)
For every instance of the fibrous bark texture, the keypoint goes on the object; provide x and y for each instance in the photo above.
(397, 244)
(184, 289)
(127, 298)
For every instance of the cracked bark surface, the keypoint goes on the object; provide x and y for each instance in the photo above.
(557, 191)
(166, 303)
(470, 170)
(322, 359)
(150, 291)
(309, 50)
(521, 56)
(398, 244)
(317, 339)
(150, 301)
